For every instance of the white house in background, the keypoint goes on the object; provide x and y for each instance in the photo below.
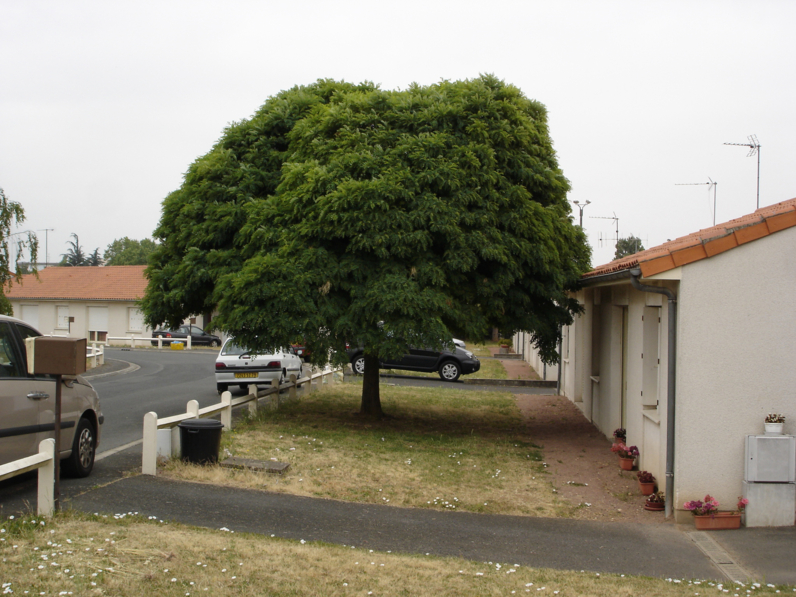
(734, 344)
(102, 301)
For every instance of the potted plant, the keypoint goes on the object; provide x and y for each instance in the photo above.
(627, 456)
(505, 345)
(774, 423)
(656, 502)
(646, 482)
(708, 518)
(620, 436)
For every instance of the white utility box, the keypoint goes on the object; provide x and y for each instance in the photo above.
(770, 459)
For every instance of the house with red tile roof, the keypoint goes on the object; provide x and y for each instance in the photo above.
(688, 345)
(100, 301)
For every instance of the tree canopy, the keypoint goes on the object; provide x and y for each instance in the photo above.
(76, 254)
(628, 246)
(389, 219)
(127, 251)
(11, 215)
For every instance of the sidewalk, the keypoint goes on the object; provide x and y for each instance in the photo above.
(658, 550)
(652, 550)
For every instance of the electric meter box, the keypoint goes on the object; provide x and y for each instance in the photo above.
(770, 458)
(56, 356)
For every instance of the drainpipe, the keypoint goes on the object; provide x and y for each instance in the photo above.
(635, 274)
(560, 364)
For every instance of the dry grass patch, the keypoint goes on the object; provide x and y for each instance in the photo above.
(129, 556)
(442, 448)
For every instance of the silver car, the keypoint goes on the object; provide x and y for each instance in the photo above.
(236, 365)
(27, 406)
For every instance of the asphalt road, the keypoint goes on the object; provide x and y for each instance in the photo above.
(165, 381)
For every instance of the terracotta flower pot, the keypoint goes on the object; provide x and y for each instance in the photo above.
(646, 488)
(626, 464)
(654, 506)
(718, 521)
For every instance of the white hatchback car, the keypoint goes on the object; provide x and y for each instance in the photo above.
(236, 365)
(27, 406)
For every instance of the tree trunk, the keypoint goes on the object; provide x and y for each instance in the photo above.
(371, 402)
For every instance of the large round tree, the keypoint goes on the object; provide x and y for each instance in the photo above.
(346, 213)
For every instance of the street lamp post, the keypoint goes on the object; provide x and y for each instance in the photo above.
(581, 207)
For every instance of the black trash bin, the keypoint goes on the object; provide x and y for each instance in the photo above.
(200, 440)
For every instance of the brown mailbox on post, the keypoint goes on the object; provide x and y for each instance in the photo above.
(56, 356)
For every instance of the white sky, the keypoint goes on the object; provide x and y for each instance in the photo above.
(103, 105)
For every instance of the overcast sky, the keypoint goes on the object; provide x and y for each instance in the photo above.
(103, 105)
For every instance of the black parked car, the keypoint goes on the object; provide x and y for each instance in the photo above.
(450, 364)
(199, 337)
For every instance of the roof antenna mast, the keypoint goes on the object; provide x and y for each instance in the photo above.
(616, 220)
(754, 146)
(711, 183)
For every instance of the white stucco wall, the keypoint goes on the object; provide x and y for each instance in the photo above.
(118, 317)
(736, 361)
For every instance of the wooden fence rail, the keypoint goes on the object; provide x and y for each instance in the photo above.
(44, 460)
(162, 436)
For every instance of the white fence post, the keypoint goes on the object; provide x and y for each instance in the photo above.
(226, 414)
(275, 395)
(160, 342)
(188, 343)
(292, 391)
(46, 497)
(325, 381)
(149, 458)
(253, 403)
(192, 408)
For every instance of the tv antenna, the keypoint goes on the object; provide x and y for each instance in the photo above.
(616, 221)
(711, 184)
(754, 146)
(46, 249)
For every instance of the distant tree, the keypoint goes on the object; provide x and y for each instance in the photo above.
(6, 308)
(345, 213)
(12, 214)
(628, 246)
(94, 258)
(127, 251)
(75, 255)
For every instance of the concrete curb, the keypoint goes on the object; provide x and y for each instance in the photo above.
(129, 369)
(507, 383)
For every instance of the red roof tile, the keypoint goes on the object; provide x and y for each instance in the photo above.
(110, 283)
(706, 243)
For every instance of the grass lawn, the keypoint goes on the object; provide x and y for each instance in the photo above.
(481, 350)
(130, 555)
(443, 448)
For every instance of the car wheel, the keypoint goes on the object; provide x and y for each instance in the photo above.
(214, 343)
(80, 463)
(221, 387)
(359, 365)
(450, 371)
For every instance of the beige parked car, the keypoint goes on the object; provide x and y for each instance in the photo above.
(27, 406)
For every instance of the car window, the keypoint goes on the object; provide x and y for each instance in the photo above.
(233, 349)
(197, 331)
(9, 360)
(27, 332)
